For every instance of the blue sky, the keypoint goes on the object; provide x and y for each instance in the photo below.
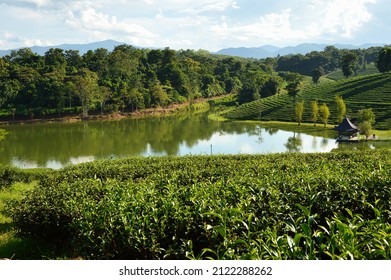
(201, 24)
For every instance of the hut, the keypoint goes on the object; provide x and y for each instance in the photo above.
(347, 131)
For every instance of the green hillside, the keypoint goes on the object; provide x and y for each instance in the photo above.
(370, 91)
(369, 70)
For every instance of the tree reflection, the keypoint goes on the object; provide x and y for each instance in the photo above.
(294, 143)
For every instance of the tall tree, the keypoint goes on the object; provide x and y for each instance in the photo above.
(314, 111)
(316, 74)
(341, 108)
(299, 109)
(324, 113)
(383, 62)
(86, 86)
(55, 60)
(366, 120)
(294, 83)
(366, 115)
(349, 63)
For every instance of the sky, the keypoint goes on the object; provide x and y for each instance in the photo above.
(201, 24)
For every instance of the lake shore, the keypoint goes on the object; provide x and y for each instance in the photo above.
(197, 104)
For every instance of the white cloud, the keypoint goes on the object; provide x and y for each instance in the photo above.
(212, 7)
(20, 41)
(84, 18)
(315, 21)
(274, 27)
(339, 17)
(207, 24)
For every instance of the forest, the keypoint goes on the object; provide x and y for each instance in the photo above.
(63, 82)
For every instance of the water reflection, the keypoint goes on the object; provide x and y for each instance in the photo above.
(294, 143)
(56, 145)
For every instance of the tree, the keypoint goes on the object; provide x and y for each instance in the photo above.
(253, 82)
(314, 111)
(316, 74)
(366, 119)
(272, 86)
(294, 83)
(383, 62)
(86, 86)
(366, 115)
(299, 109)
(349, 63)
(341, 108)
(293, 89)
(103, 94)
(365, 128)
(324, 113)
(55, 60)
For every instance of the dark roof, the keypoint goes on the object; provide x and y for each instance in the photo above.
(346, 126)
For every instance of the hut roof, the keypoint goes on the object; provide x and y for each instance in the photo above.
(346, 126)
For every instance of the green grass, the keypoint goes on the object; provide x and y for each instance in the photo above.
(12, 246)
(370, 91)
(278, 206)
(318, 130)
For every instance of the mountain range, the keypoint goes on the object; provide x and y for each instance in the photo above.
(255, 52)
(82, 48)
(273, 51)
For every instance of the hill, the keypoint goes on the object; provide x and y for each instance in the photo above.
(273, 51)
(370, 91)
(82, 48)
(247, 52)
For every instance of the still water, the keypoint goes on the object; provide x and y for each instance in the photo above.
(56, 145)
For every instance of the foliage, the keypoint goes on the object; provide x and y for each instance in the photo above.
(366, 115)
(383, 62)
(299, 110)
(324, 113)
(341, 108)
(365, 128)
(125, 79)
(316, 74)
(327, 60)
(10, 174)
(314, 111)
(358, 93)
(283, 206)
(366, 120)
(349, 63)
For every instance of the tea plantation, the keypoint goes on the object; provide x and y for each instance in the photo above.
(280, 206)
(368, 91)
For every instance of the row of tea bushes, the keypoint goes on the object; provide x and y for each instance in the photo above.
(281, 206)
(10, 174)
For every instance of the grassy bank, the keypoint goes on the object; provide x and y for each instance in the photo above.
(281, 206)
(197, 105)
(12, 245)
(319, 129)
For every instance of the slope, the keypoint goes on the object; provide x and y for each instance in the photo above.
(370, 91)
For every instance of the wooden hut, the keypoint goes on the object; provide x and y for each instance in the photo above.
(347, 131)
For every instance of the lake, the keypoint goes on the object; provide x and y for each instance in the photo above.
(56, 145)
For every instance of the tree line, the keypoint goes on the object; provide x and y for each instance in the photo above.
(125, 79)
(366, 117)
(323, 62)
(128, 78)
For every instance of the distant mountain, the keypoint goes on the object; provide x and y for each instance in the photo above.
(273, 51)
(256, 52)
(247, 52)
(82, 48)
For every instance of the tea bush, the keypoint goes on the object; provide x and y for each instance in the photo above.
(280, 206)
